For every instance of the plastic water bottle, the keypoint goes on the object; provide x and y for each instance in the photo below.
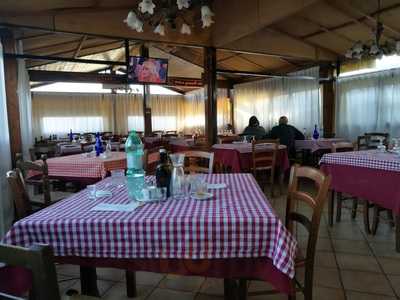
(135, 172)
(98, 146)
(316, 133)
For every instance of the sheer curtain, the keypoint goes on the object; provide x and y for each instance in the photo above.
(167, 112)
(57, 113)
(129, 113)
(368, 103)
(25, 105)
(297, 98)
(195, 110)
(6, 209)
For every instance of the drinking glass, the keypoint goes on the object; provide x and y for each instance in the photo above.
(118, 178)
(92, 191)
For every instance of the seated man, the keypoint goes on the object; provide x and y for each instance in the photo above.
(287, 135)
(254, 129)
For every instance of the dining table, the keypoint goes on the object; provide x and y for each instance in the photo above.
(238, 156)
(84, 167)
(180, 144)
(314, 145)
(371, 175)
(235, 234)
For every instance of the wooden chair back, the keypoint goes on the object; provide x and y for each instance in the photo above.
(150, 160)
(171, 132)
(26, 166)
(373, 139)
(39, 260)
(342, 147)
(20, 196)
(361, 143)
(264, 158)
(316, 203)
(195, 158)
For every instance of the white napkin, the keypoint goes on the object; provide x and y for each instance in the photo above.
(102, 193)
(216, 186)
(116, 207)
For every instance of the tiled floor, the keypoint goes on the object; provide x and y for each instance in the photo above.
(349, 265)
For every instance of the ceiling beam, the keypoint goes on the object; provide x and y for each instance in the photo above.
(345, 7)
(247, 17)
(78, 49)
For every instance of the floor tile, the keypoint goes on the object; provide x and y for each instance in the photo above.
(382, 249)
(110, 274)
(69, 270)
(322, 293)
(327, 277)
(325, 259)
(182, 283)
(208, 297)
(165, 294)
(355, 247)
(357, 262)
(395, 281)
(118, 292)
(362, 296)
(323, 244)
(102, 285)
(148, 278)
(213, 286)
(366, 282)
(389, 265)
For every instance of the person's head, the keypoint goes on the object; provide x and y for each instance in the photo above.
(283, 120)
(149, 70)
(253, 122)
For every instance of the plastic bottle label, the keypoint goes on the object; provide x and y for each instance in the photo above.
(134, 161)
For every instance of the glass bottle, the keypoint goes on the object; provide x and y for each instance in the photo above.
(98, 145)
(163, 172)
(177, 187)
(315, 133)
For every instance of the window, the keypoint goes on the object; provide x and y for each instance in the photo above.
(136, 123)
(61, 125)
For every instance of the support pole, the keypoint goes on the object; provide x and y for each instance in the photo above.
(328, 101)
(210, 73)
(11, 85)
(144, 51)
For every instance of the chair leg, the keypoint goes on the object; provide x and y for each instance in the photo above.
(242, 289)
(375, 219)
(397, 221)
(390, 217)
(281, 180)
(89, 281)
(331, 204)
(131, 291)
(229, 289)
(366, 217)
(339, 202)
(354, 209)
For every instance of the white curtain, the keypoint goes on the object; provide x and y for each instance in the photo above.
(368, 103)
(195, 110)
(6, 207)
(58, 113)
(167, 112)
(129, 113)
(298, 98)
(25, 105)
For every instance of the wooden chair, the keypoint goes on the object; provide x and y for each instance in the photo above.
(373, 139)
(311, 224)
(37, 265)
(343, 147)
(265, 159)
(150, 160)
(171, 132)
(41, 180)
(362, 143)
(195, 158)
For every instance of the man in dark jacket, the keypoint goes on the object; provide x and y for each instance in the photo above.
(287, 135)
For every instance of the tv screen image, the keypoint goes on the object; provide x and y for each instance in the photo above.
(148, 70)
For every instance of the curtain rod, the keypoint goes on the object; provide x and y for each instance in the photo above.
(253, 74)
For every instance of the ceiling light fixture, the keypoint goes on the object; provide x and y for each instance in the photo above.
(165, 15)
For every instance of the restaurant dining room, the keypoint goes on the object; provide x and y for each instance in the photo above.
(200, 149)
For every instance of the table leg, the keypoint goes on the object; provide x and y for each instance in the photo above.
(397, 233)
(131, 291)
(89, 281)
(230, 289)
(367, 227)
(331, 203)
(242, 293)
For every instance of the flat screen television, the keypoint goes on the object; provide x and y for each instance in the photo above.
(147, 70)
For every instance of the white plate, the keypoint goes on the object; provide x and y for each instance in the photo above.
(203, 196)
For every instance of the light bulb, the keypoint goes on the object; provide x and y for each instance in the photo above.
(182, 4)
(147, 6)
(160, 29)
(133, 22)
(185, 29)
(206, 16)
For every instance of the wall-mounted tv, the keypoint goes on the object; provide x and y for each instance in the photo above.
(147, 70)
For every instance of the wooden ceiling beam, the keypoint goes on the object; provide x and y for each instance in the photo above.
(247, 17)
(78, 49)
(35, 36)
(344, 7)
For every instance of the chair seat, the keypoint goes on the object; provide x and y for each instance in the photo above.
(54, 195)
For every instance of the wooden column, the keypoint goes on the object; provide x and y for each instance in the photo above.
(144, 51)
(232, 104)
(11, 85)
(210, 76)
(328, 100)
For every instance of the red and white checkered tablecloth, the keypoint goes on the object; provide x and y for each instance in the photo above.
(373, 159)
(237, 223)
(85, 167)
